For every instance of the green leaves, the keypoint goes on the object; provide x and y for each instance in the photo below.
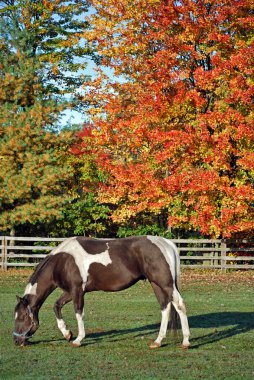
(32, 175)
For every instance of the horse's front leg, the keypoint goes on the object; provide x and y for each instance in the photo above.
(78, 301)
(63, 300)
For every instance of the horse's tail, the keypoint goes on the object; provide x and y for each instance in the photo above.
(176, 261)
(174, 320)
(178, 270)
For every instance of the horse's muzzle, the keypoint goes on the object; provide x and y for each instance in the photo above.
(20, 341)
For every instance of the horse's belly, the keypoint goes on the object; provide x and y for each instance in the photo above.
(111, 280)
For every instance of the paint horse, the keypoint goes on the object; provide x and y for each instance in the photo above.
(80, 265)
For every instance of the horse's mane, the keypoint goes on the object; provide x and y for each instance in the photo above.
(39, 269)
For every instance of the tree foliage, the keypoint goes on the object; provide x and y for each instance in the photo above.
(53, 33)
(85, 215)
(175, 131)
(40, 43)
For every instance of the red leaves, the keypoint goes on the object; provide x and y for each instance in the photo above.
(177, 132)
(81, 145)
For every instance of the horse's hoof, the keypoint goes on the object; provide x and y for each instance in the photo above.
(75, 344)
(185, 346)
(154, 345)
(69, 336)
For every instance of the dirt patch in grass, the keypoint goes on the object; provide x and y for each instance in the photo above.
(208, 276)
(13, 272)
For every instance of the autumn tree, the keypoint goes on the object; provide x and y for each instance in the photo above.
(174, 127)
(42, 51)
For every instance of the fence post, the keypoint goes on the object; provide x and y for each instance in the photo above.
(215, 261)
(223, 256)
(4, 253)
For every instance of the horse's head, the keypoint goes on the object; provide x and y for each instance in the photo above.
(26, 322)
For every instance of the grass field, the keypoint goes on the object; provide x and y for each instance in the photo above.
(120, 326)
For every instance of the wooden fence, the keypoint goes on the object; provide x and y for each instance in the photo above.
(194, 253)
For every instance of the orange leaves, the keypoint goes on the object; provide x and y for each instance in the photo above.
(247, 161)
(133, 189)
(175, 129)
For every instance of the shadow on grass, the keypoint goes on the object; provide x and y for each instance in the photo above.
(237, 323)
(229, 323)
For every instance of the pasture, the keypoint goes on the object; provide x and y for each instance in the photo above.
(120, 326)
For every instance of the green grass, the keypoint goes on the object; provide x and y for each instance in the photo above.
(120, 326)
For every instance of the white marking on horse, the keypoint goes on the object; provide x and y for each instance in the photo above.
(31, 289)
(81, 330)
(62, 327)
(82, 258)
(180, 308)
(164, 324)
(61, 247)
(16, 315)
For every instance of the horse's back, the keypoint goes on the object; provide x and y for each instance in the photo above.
(126, 263)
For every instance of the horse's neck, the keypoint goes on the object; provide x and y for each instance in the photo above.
(40, 290)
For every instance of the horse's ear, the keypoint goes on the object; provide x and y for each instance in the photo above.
(18, 298)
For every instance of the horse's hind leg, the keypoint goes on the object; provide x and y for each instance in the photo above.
(181, 310)
(64, 299)
(164, 297)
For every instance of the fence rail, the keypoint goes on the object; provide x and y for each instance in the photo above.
(194, 253)
(13, 248)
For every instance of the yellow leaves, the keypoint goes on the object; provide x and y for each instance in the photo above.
(8, 77)
(71, 41)
(50, 4)
(55, 70)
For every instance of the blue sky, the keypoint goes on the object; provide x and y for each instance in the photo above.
(72, 116)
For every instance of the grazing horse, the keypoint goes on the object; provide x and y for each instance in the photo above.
(80, 265)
